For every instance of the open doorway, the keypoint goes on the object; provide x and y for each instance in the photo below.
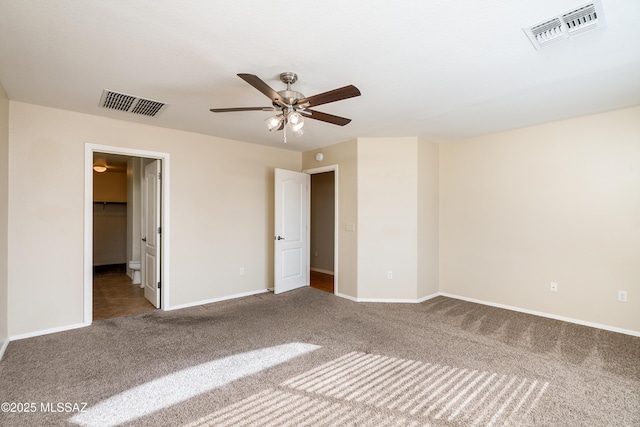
(117, 218)
(293, 225)
(322, 229)
(126, 208)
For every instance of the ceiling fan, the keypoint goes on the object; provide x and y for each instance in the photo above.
(292, 107)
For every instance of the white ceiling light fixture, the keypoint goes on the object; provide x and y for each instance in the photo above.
(99, 168)
(274, 122)
(564, 26)
(295, 120)
(291, 105)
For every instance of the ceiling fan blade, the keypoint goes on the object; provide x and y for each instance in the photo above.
(228, 110)
(331, 96)
(329, 118)
(256, 82)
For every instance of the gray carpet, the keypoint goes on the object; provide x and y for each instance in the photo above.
(308, 358)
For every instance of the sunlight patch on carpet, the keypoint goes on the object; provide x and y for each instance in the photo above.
(185, 384)
(386, 391)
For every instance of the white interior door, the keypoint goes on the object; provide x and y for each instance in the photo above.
(151, 234)
(291, 217)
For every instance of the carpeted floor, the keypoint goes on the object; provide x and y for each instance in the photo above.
(307, 357)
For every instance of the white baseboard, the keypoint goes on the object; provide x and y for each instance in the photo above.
(82, 325)
(492, 304)
(319, 270)
(547, 315)
(48, 331)
(209, 301)
(389, 300)
(392, 300)
(5, 344)
(428, 297)
(349, 297)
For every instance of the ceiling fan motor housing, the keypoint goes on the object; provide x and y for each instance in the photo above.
(290, 97)
(288, 77)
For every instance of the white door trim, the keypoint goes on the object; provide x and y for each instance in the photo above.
(321, 169)
(89, 150)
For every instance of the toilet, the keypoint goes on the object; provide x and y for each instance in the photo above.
(135, 266)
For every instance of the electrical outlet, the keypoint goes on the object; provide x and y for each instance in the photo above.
(553, 287)
(315, 253)
(242, 271)
(622, 296)
(389, 275)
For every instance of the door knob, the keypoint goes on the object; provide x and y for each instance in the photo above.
(144, 239)
(279, 238)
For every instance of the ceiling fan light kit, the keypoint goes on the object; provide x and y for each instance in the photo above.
(274, 122)
(295, 120)
(292, 107)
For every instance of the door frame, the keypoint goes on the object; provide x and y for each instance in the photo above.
(313, 171)
(89, 151)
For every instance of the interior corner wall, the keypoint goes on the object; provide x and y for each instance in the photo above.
(4, 217)
(558, 202)
(428, 219)
(221, 212)
(387, 218)
(344, 155)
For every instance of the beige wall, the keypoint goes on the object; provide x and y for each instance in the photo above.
(109, 233)
(110, 220)
(387, 218)
(496, 218)
(391, 186)
(220, 192)
(428, 219)
(345, 156)
(4, 213)
(556, 202)
(110, 187)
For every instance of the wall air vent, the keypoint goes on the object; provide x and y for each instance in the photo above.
(566, 25)
(129, 103)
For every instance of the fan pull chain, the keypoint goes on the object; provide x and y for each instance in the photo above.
(285, 130)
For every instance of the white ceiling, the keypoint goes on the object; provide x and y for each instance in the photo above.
(439, 69)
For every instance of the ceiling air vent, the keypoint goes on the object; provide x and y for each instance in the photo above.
(566, 25)
(129, 103)
(580, 20)
(547, 33)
